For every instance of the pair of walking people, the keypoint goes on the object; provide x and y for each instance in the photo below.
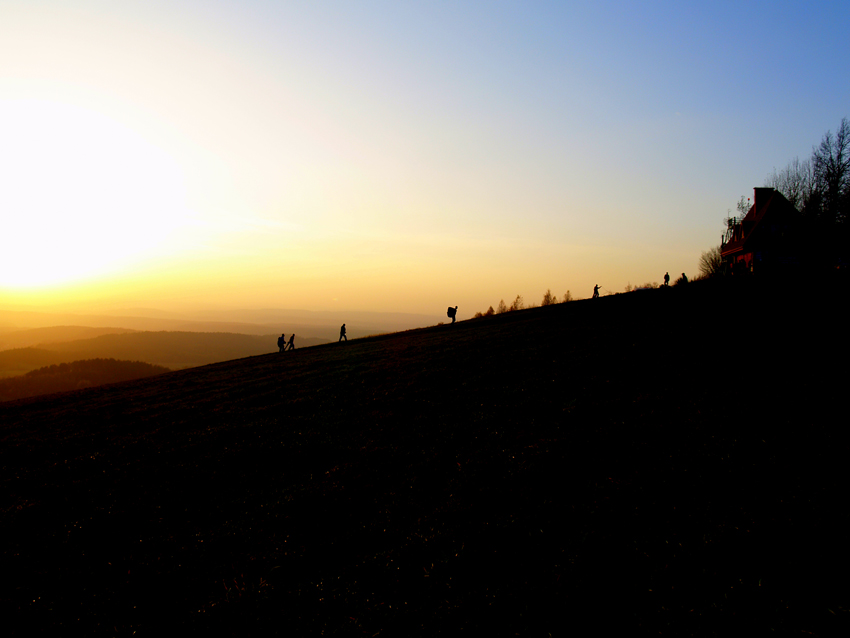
(283, 345)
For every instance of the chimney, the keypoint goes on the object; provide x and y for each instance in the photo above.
(761, 197)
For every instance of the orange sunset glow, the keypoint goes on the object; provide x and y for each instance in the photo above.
(393, 159)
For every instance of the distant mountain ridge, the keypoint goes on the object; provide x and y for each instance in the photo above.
(305, 323)
(22, 360)
(12, 339)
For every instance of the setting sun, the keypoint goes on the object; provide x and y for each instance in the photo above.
(401, 158)
(83, 195)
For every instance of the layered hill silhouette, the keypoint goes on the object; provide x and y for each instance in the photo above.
(74, 375)
(22, 360)
(178, 349)
(664, 462)
(174, 350)
(34, 328)
(11, 339)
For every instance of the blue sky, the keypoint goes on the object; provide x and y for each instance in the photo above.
(386, 155)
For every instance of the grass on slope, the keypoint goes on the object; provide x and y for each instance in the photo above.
(630, 462)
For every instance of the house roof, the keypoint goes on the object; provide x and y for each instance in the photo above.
(769, 205)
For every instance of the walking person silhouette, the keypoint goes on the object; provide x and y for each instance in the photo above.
(291, 344)
(452, 312)
(281, 343)
(595, 292)
(342, 333)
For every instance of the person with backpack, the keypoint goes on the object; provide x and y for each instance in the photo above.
(281, 342)
(452, 312)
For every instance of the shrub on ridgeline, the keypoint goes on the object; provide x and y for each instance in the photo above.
(489, 313)
(649, 285)
(519, 304)
(710, 263)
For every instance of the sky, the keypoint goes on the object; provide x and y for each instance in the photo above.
(391, 156)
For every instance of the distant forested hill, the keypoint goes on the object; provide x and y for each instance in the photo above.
(74, 375)
(22, 360)
(177, 350)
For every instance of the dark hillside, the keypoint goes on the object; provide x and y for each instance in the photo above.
(668, 461)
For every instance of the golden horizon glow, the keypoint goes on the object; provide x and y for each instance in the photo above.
(396, 157)
(86, 195)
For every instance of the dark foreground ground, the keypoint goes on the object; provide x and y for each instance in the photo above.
(670, 461)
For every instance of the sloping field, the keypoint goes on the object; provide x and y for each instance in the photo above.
(668, 461)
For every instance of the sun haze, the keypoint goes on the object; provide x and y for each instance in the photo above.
(385, 156)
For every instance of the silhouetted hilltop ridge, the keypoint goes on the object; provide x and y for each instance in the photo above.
(663, 462)
(74, 375)
(22, 360)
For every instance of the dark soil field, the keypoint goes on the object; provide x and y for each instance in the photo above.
(667, 462)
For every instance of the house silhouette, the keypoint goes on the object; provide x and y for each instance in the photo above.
(766, 239)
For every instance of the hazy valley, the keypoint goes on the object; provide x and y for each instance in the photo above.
(164, 339)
